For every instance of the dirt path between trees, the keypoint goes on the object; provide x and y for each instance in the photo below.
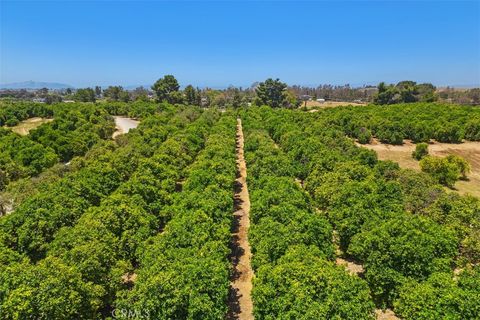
(356, 269)
(240, 300)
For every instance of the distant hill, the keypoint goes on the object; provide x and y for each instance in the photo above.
(34, 85)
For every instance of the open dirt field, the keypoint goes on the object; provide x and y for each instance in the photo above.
(24, 127)
(331, 104)
(403, 155)
(123, 125)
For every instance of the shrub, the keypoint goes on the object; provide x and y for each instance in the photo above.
(12, 122)
(461, 164)
(303, 286)
(441, 297)
(405, 247)
(449, 133)
(421, 150)
(445, 170)
(472, 130)
(421, 132)
(390, 136)
(364, 136)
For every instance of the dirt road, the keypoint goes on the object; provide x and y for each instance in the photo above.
(240, 300)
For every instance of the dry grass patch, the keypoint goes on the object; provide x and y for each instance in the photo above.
(314, 105)
(24, 127)
(469, 150)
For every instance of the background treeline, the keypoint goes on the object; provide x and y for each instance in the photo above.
(168, 89)
(409, 234)
(405, 92)
(336, 92)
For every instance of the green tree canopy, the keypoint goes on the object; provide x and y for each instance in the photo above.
(446, 170)
(166, 88)
(85, 95)
(271, 93)
(421, 150)
(192, 96)
(113, 93)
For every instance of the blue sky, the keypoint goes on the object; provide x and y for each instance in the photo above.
(218, 43)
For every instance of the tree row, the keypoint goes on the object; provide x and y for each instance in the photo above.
(408, 233)
(295, 276)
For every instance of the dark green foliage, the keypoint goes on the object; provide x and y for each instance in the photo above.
(11, 122)
(461, 214)
(85, 95)
(184, 270)
(441, 297)
(391, 133)
(421, 150)
(97, 231)
(364, 136)
(472, 130)
(192, 96)
(419, 190)
(49, 290)
(166, 89)
(143, 222)
(113, 93)
(420, 131)
(76, 129)
(303, 286)
(22, 110)
(448, 132)
(446, 170)
(272, 93)
(365, 201)
(419, 122)
(291, 242)
(353, 195)
(385, 94)
(404, 92)
(404, 247)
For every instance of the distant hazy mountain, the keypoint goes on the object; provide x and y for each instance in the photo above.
(34, 85)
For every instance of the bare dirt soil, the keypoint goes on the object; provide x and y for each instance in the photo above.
(314, 105)
(385, 314)
(123, 125)
(240, 300)
(469, 150)
(24, 127)
(351, 266)
(341, 259)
